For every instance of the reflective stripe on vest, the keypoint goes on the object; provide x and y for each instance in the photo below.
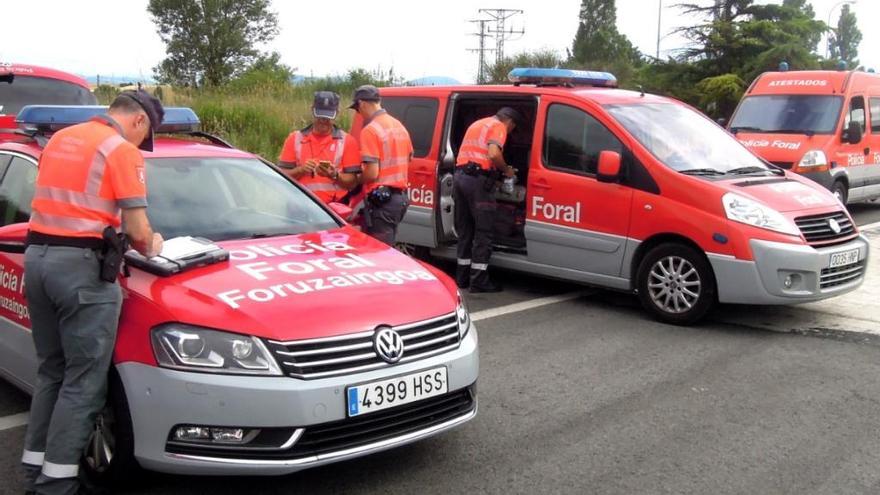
(68, 223)
(477, 150)
(393, 168)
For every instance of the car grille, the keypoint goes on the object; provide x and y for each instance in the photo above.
(352, 433)
(840, 275)
(817, 229)
(353, 353)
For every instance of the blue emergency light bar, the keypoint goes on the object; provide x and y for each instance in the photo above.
(55, 117)
(563, 77)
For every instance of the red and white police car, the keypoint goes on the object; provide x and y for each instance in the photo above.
(312, 343)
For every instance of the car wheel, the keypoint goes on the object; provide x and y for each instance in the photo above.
(108, 459)
(676, 284)
(839, 191)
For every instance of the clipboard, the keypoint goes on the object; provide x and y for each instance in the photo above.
(198, 252)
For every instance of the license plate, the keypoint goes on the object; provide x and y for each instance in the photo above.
(378, 395)
(844, 258)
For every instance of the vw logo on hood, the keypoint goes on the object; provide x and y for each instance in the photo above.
(388, 344)
(835, 227)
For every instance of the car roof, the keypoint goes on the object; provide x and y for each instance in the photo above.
(37, 71)
(164, 147)
(601, 96)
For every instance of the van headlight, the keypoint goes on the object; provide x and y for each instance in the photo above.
(185, 347)
(813, 158)
(750, 212)
(462, 317)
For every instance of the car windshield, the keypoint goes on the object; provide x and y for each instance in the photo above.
(687, 141)
(227, 198)
(29, 90)
(789, 114)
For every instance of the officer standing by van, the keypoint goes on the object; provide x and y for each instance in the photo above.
(317, 154)
(386, 150)
(479, 164)
(90, 183)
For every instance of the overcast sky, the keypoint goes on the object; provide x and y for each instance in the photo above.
(417, 38)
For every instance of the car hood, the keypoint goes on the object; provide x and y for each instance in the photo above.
(785, 193)
(304, 286)
(782, 149)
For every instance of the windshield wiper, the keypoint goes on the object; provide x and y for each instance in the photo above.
(735, 129)
(752, 169)
(701, 171)
(263, 235)
(806, 132)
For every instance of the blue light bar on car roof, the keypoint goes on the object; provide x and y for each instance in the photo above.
(530, 75)
(54, 117)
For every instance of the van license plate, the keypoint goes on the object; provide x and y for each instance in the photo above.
(844, 258)
(378, 395)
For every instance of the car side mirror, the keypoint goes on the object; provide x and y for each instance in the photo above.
(340, 209)
(609, 166)
(721, 121)
(852, 134)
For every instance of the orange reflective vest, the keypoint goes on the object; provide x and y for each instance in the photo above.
(87, 173)
(475, 146)
(324, 187)
(386, 141)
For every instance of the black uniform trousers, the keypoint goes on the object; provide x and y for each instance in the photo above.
(475, 205)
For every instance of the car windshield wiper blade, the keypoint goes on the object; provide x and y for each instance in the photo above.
(263, 235)
(737, 128)
(701, 171)
(752, 169)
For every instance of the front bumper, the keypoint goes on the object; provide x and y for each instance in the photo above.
(762, 281)
(161, 399)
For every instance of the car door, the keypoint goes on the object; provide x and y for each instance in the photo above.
(18, 175)
(573, 220)
(856, 157)
(872, 177)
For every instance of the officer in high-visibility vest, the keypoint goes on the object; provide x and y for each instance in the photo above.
(90, 183)
(479, 164)
(386, 150)
(317, 155)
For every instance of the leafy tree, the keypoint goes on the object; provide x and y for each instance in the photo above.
(210, 41)
(598, 45)
(844, 42)
(267, 73)
(497, 73)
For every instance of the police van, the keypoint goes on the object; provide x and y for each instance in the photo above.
(311, 343)
(629, 191)
(822, 124)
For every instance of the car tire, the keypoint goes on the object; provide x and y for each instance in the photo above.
(676, 284)
(839, 190)
(108, 460)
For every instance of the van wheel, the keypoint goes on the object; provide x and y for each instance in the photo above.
(108, 459)
(676, 284)
(839, 191)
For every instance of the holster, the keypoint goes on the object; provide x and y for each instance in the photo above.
(112, 254)
(489, 181)
(379, 196)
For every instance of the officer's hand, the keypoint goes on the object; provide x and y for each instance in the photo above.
(325, 169)
(510, 172)
(156, 247)
(309, 167)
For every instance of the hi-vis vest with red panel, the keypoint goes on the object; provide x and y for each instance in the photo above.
(395, 151)
(475, 146)
(324, 187)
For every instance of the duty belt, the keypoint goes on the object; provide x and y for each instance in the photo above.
(39, 238)
(474, 169)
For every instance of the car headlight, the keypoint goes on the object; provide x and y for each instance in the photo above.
(750, 212)
(462, 317)
(186, 347)
(813, 158)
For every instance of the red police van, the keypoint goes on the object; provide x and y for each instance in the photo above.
(22, 85)
(311, 344)
(824, 125)
(629, 191)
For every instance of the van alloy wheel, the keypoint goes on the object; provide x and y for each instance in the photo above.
(674, 284)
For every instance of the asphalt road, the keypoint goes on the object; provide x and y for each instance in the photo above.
(590, 396)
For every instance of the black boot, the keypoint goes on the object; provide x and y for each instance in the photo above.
(463, 276)
(480, 282)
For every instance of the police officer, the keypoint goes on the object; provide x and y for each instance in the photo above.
(480, 162)
(386, 151)
(91, 177)
(316, 155)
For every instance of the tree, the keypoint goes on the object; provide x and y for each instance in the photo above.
(497, 72)
(844, 41)
(598, 45)
(210, 41)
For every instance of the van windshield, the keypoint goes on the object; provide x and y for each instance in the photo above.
(227, 198)
(788, 114)
(687, 141)
(29, 90)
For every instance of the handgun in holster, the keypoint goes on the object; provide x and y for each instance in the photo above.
(113, 254)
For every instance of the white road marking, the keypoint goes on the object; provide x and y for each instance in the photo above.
(526, 305)
(13, 421)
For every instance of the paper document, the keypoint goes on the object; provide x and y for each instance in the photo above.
(185, 247)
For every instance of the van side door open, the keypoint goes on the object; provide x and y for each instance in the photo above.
(572, 220)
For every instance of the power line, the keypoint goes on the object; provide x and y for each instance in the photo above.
(481, 51)
(501, 33)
